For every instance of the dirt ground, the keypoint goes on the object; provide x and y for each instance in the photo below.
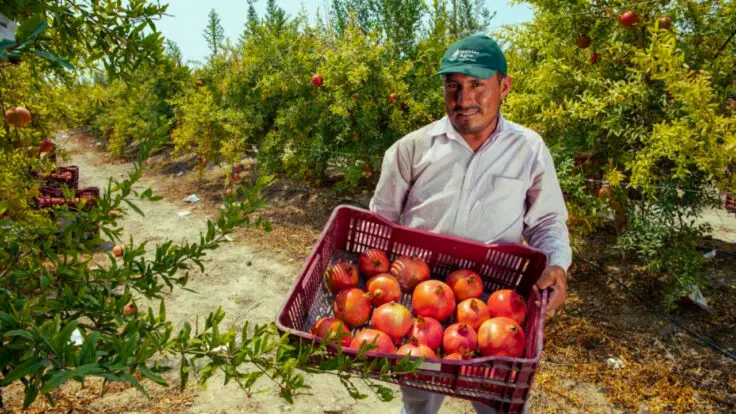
(663, 370)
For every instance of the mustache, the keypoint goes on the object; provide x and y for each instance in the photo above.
(458, 108)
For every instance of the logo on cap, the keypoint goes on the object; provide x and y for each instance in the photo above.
(465, 55)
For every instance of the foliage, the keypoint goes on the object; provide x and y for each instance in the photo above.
(49, 288)
(81, 33)
(214, 33)
(646, 114)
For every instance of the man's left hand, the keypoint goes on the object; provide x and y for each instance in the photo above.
(555, 278)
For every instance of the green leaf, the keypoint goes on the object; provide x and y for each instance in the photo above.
(18, 332)
(30, 28)
(25, 369)
(89, 348)
(3, 207)
(134, 207)
(146, 372)
(56, 380)
(31, 394)
(53, 58)
(134, 382)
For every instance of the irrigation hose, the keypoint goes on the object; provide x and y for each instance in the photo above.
(653, 309)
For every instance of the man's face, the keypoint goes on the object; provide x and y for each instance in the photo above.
(472, 103)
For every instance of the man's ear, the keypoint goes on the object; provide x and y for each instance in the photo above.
(505, 86)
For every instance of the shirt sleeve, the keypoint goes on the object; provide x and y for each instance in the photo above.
(393, 183)
(545, 222)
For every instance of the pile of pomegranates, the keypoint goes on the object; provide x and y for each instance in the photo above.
(443, 319)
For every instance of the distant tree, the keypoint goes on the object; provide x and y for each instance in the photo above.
(214, 33)
(275, 17)
(173, 51)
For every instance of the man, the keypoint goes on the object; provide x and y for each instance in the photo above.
(476, 175)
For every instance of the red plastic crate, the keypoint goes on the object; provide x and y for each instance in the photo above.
(64, 175)
(50, 197)
(500, 382)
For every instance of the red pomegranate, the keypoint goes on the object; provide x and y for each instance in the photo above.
(466, 284)
(628, 18)
(373, 262)
(427, 331)
(409, 271)
(384, 288)
(341, 275)
(457, 356)
(472, 312)
(583, 41)
(393, 319)
(18, 116)
(506, 302)
(416, 349)
(332, 327)
(501, 336)
(352, 306)
(433, 298)
(46, 146)
(317, 80)
(383, 342)
(459, 337)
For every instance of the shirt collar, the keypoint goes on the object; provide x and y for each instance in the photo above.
(444, 127)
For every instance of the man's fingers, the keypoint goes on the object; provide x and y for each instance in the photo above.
(546, 280)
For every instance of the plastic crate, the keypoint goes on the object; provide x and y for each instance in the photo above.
(64, 175)
(50, 197)
(501, 382)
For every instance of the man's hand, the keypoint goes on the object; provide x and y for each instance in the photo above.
(555, 278)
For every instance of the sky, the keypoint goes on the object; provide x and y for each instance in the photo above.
(187, 19)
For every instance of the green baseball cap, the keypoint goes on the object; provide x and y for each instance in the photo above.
(478, 56)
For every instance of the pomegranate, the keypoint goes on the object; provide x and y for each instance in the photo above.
(472, 312)
(384, 288)
(341, 275)
(416, 349)
(17, 116)
(583, 41)
(506, 302)
(373, 262)
(466, 284)
(409, 271)
(393, 319)
(595, 57)
(465, 354)
(393, 97)
(117, 250)
(352, 306)
(334, 329)
(383, 342)
(317, 80)
(433, 298)
(459, 337)
(664, 22)
(129, 309)
(628, 18)
(501, 336)
(427, 331)
(46, 146)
